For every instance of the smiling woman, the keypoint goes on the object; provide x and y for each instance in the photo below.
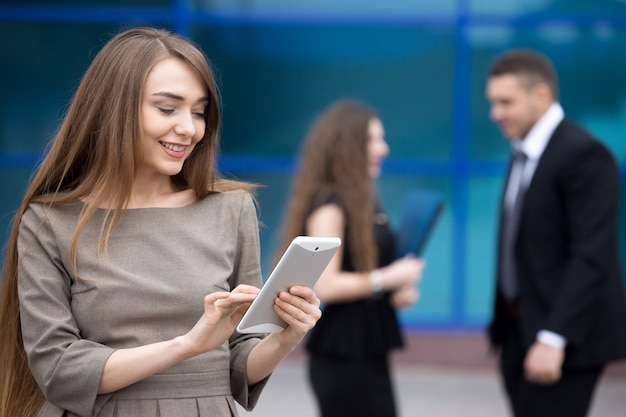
(111, 311)
(173, 113)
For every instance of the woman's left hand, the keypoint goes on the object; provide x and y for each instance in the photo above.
(300, 308)
(405, 296)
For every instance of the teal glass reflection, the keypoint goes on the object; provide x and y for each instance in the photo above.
(276, 78)
(590, 63)
(41, 67)
(89, 3)
(328, 7)
(13, 183)
(483, 203)
(546, 6)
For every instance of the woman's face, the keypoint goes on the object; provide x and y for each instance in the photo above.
(377, 148)
(172, 117)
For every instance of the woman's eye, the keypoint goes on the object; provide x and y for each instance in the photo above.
(165, 110)
(200, 114)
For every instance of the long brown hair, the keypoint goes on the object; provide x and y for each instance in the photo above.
(334, 160)
(94, 156)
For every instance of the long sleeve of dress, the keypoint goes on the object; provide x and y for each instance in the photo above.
(246, 271)
(67, 367)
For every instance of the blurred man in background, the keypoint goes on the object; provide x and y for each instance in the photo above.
(560, 310)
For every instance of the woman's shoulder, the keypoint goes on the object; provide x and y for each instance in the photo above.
(40, 209)
(235, 200)
(228, 197)
(43, 217)
(324, 197)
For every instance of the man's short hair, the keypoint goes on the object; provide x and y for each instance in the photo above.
(531, 66)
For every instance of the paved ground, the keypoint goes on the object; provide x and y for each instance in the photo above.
(424, 391)
(437, 376)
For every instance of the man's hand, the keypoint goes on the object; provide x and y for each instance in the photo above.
(543, 364)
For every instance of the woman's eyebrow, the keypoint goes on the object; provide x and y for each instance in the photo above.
(178, 97)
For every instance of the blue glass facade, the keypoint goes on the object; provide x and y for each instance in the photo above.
(420, 64)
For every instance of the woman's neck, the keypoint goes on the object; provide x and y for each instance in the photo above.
(161, 197)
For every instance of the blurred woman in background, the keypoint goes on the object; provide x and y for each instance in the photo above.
(334, 194)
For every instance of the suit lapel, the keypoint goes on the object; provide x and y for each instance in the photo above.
(547, 160)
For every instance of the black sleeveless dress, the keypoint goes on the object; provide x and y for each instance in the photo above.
(348, 347)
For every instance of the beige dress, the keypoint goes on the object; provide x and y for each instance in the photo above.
(149, 287)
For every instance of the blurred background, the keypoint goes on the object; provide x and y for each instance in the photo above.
(421, 64)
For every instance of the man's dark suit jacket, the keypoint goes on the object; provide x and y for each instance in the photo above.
(567, 252)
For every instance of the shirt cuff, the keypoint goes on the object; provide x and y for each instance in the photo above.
(551, 339)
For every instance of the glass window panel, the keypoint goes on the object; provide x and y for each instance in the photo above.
(13, 183)
(87, 3)
(41, 67)
(546, 6)
(276, 79)
(590, 62)
(276, 76)
(330, 7)
(483, 203)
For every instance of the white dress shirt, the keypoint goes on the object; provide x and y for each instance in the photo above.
(533, 146)
(535, 142)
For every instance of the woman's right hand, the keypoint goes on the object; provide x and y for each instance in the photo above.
(406, 271)
(222, 313)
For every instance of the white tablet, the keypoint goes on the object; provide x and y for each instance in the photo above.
(302, 264)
